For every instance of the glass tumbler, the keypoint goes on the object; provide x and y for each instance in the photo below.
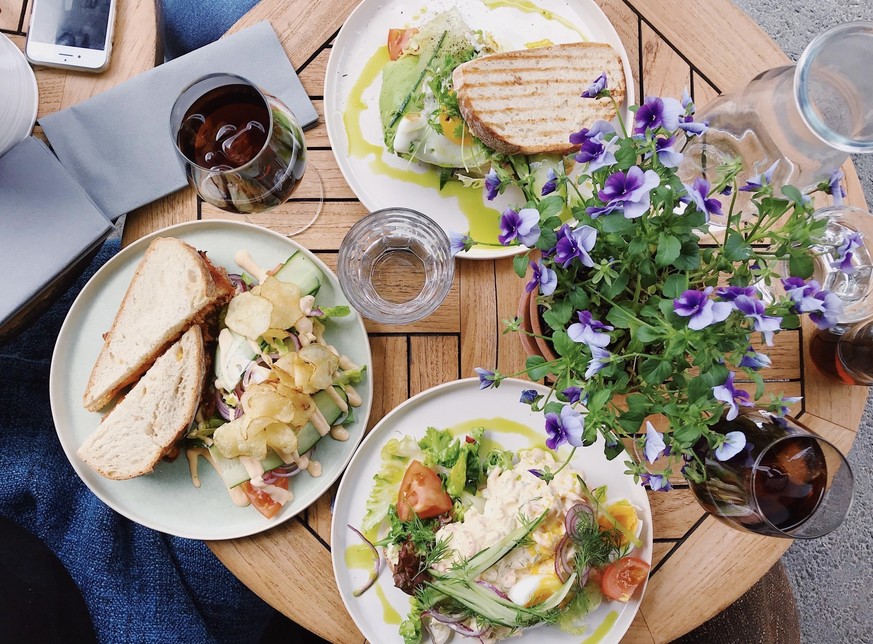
(395, 266)
(787, 481)
(806, 118)
(242, 149)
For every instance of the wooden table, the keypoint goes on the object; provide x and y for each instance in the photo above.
(290, 565)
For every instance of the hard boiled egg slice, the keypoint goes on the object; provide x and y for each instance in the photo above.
(417, 139)
(531, 590)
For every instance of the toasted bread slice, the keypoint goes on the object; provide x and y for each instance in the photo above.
(173, 288)
(150, 419)
(529, 101)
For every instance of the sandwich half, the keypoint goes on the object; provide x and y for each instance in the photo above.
(146, 424)
(173, 288)
(528, 101)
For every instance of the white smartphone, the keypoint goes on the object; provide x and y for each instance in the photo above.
(75, 34)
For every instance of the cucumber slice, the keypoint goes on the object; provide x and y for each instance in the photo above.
(233, 472)
(302, 271)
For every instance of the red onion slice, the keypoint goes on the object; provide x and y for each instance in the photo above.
(467, 632)
(224, 410)
(442, 618)
(563, 556)
(374, 574)
(493, 589)
(573, 516)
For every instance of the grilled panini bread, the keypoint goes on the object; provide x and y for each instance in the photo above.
(528, 101)
(146, 424)
(173, 288)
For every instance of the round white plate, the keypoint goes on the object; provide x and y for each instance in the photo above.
(20, 113)
(361, 37)
(165, 499)
(450, 405)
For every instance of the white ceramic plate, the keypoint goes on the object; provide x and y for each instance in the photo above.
(458, 404)
(165, 499)
(381, 179)
(19, 113)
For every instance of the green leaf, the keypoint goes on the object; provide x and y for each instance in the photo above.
(688, 434)
(553, 407)
(621, 318)
(801, 265)
(792, 193)
(655, 370)
(578, 298)
(618, 285)
(616, 224)
(626, 155)
(669, 248)
(598, 399)
(551, 206)
(675, 285)
(689, 258)
(637, 245)
(551, 222)
(519, 264)
(548, 239)
(537, 368)
(637, 402)
(564, 346)
(647, 334)
(736, 248)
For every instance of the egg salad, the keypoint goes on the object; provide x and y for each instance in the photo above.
(489, 544)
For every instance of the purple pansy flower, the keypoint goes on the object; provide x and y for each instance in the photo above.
(594, 149)
(692, 127)
(845, 252)
(458, 243)
(627, 192)
(528, 396)
(667, 155)
(754, 360)
(654, 442)
(492, 184)
(835, 187)
(656, 482)
(572, 394)
(544, 277)
(551, 183)
(486, 378)
(522, 225)
(761, 180)
(803, 294)
(698, 195)
(755, 309)
(567, 427)
(733, 444)
(657, 112)
(596, 87)
(830, 312)
(687, 103)
(575, 243)
(730, 293)
(732, 396)
(598, 129)
(787, 400)
(726, 191)
(589, 331)
(701, 309)
(599, 359)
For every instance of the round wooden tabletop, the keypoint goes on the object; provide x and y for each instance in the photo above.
(692, 578)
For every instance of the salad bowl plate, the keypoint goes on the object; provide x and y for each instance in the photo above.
(351, 102)
(462, 406)
(166, 500)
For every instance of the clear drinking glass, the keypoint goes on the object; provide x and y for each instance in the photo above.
(243, 149)
(786, 482)
(807, 118)
(395, 266)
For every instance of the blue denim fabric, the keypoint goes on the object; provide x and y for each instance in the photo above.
(190, 24)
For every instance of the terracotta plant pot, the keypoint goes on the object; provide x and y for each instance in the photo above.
(532, 321)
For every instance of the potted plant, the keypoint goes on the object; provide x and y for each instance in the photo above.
(650, 289)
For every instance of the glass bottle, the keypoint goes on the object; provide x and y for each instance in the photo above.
(804, 118)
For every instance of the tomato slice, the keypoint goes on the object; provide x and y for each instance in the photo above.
(262, 501)
(397, 41)
(621, 578)
(421, 494)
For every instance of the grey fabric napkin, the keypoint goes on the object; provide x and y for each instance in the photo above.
(47, 222)
(118, 144)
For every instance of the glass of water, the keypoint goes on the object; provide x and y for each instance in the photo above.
(395, 266)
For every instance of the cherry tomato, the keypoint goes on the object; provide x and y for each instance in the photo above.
(397, 41)
(421, 494)
(262, 501)
(621, 578)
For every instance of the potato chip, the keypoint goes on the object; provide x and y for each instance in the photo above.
(324, 361)
(266, 402)
(242, 437)
(285, 298)
(249, 315)
(281, 437)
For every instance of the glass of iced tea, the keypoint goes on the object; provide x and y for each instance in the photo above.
(243, 149)
(786, 482)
